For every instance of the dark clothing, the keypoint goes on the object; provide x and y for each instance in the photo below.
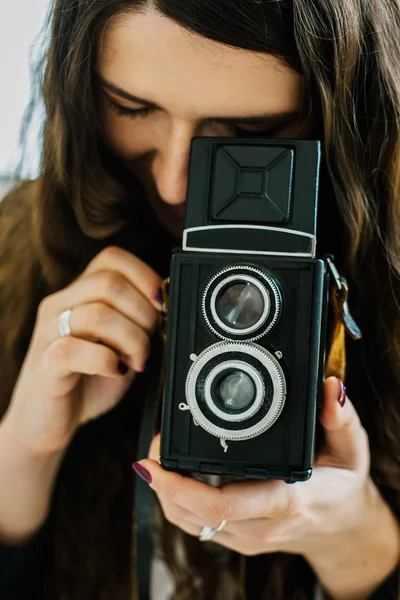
(22, 569)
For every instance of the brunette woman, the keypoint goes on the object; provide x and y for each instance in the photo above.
(85, 247)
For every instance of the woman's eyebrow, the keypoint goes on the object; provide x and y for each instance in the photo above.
(274, 118)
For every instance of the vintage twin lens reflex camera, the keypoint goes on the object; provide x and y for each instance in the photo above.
(248, 298)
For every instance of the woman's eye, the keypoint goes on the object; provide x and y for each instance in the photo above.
(131, 113)
(136, 113)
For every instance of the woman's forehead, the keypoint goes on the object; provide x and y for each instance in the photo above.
(156, 59)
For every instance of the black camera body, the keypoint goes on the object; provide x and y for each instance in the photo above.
(248, 299)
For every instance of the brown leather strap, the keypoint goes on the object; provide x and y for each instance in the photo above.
(336, 357)
(343, 323)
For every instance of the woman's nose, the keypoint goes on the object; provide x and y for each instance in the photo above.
(171, 164)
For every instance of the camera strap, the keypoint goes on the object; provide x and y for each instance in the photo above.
(143, 499)
(343, 323)
(143, 523)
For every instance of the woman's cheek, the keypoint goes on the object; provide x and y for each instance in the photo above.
(119, 136)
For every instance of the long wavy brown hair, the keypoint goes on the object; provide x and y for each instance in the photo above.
(85, 199)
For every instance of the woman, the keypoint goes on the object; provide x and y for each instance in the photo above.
(127, 85)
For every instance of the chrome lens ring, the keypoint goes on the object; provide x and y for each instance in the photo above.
(267, 360)
(240, 278)
(267, 287)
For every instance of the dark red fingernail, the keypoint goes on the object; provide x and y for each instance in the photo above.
(123, 368)
(343, 393)
(142, 472)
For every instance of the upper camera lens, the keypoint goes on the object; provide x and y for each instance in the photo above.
(240, 305)
(241, 302)
(234, 391)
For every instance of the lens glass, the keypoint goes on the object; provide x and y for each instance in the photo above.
(240, 305)
(233, 390)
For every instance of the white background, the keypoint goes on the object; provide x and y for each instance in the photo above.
(20, 22)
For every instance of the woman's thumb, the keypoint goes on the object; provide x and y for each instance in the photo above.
(346, 439)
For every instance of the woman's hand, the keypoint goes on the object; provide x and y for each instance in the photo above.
(337, 519)
(66, 381)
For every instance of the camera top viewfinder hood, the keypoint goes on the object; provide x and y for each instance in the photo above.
(252, 193)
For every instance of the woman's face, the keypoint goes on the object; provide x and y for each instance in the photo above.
(162, 85)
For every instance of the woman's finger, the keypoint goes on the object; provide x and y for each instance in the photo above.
(232, 502)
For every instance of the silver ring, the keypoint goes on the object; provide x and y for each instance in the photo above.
(207, 533)
(63, 323)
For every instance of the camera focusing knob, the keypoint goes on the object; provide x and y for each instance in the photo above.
(184, 408)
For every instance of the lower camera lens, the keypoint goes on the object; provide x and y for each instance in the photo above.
(240, 305)
(233, 390)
